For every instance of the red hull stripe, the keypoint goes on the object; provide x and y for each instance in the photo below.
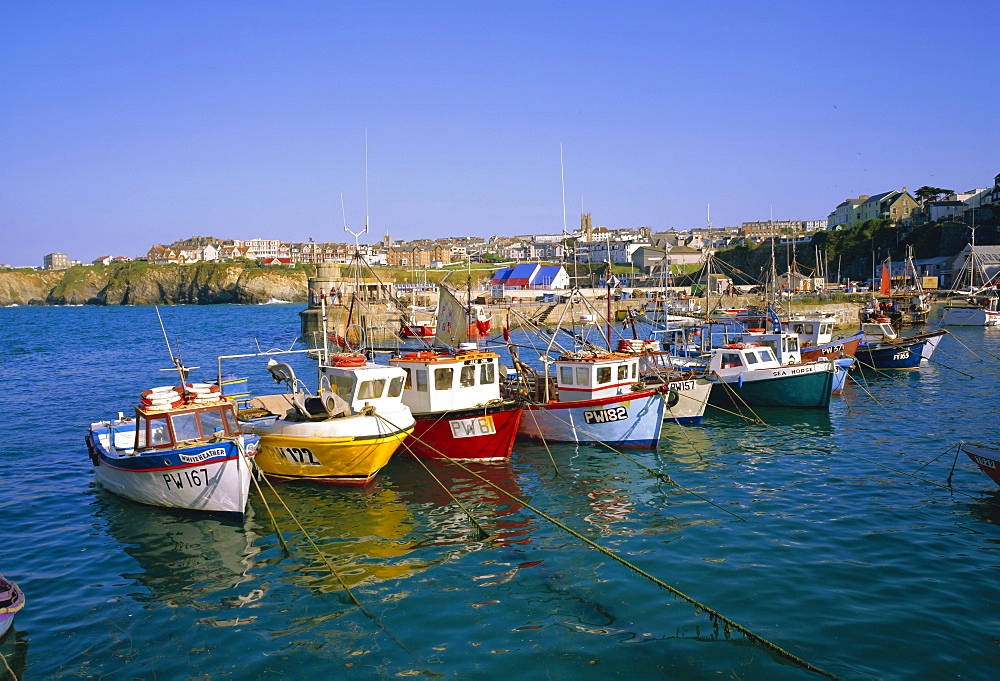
(603, 387)
(640, 394)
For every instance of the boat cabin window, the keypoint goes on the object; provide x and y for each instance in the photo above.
(371, 390)
(443, 378)
(582, 376)
(730, 360)
(396, 386)
(342, 385)
(421, 380)
(635, 368)
(751, 358)
(216, 420)
(623, 372)
(488, 374)
(603, 375)
(826, 329)
(185, 426)
(467, 378)
(566, 375)
(153, 432)
(765, 355)
(409, 378)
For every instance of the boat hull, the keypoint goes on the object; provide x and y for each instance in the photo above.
(631, 421)
(342, 451)
(685, 400)
(799, 387)
(833, 350)
(969, 316)
(212, 477)
(418, 331)
(904, 353)
(843, 365)
(475, 434)
(11, 602)
(987, 458)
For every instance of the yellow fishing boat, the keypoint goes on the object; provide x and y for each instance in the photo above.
(345, 434)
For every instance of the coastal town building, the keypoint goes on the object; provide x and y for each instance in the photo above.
(55, 261)
(531, 276)
(893, 205)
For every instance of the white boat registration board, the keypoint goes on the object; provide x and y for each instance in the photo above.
(474, 427)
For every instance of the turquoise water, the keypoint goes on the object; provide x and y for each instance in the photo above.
(816, 537)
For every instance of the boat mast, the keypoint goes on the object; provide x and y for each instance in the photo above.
(357, 247)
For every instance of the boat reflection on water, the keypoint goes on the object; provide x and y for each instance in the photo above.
(496, 508)
(185, 559)
(987, 508)
(14, 648)
(367, 534)
(814, 421)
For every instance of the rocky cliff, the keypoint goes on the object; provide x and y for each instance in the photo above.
(144, 284)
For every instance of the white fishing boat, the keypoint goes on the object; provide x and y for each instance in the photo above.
(686, 391)
(595, 396)
(978, 306)
(980, 309)
(183, 448)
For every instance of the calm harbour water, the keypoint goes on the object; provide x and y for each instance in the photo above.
(819, 540)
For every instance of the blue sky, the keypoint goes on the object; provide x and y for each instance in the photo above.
(124, 124)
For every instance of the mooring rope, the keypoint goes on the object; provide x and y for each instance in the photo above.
(714, 616)
(354, 599)
(737, 399)
(9, 670)
(967, 347)
(911, 475)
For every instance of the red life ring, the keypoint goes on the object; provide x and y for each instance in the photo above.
(420, 355)
(201, 388)
(736, 346)
(348, 361)
(160, 393)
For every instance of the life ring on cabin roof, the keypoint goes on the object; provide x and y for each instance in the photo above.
(348, 361)
(420, 355)
(201, 388)
(736, 346)
(162, 393)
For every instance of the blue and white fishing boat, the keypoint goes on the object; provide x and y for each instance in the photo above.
(11, 602)
(183, 448)
(595, 396)
(882, 348)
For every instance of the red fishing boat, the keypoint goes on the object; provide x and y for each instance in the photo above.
(987, 457)
(455, 398)
(419, 330)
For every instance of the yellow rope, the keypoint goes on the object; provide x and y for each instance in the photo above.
(9, 670)
(361, 606)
